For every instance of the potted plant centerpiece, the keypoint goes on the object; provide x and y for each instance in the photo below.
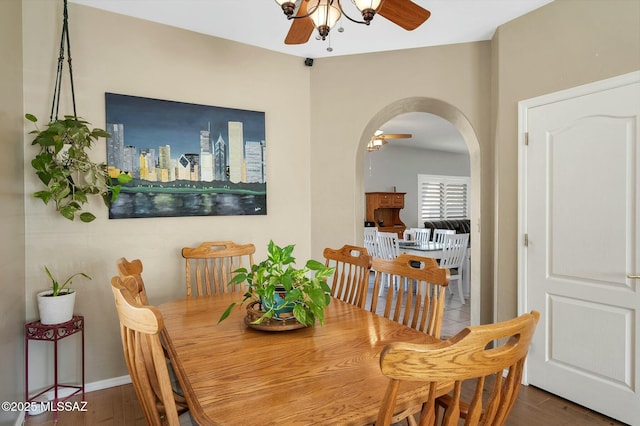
(281, 296)
(64, 167)
(56, 304)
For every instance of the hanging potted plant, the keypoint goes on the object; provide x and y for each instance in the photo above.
(64, 167)
(56, 304)
(62, 162)
(280, 296)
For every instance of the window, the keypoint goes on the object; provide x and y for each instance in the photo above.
(443, 197)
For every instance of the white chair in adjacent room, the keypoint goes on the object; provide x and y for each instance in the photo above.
(421, 235)
(454, 254)
(388, 246)
(388, 249)
(439, 234)
(371, 240)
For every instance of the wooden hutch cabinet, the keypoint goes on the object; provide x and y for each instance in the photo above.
(383, 208)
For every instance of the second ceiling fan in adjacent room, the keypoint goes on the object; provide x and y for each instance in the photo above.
(380, 138)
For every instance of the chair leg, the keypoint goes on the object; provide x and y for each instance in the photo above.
(411, 421)
(385, 279)
(466, 283)
(460, 294)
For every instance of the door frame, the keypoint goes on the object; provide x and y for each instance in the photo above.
(481, 307)
(523, 108)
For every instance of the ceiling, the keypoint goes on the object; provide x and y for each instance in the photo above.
(261, 23)
(429, 132)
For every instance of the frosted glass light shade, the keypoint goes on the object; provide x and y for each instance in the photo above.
(326, 14)
(363, 5)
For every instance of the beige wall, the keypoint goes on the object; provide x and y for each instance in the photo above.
(316, 124)
(112, 53)
(12, 283)
(564, 44)
(350, 97)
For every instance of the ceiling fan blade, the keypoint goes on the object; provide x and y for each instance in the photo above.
(397, 136)
(301, 28)
(404, 13)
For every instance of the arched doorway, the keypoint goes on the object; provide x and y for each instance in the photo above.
(462, 124)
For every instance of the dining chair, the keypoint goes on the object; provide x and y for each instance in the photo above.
(439, 234)
(371, 240)
(388, 248)
(140, 329)
(491, 357)
(422, 310)
(130, 273)
(350, 279)
(454, 254)
(134, 269)
(209, 267)
(421, 235)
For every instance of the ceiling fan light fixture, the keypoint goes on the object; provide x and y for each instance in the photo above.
(288, 7)
(379, 138)
(325, 15)
(367, 8)
(371, 146)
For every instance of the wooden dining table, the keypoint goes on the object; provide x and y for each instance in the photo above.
(232, 374)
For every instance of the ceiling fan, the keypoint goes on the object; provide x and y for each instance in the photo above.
(323, 14)
(379, 138)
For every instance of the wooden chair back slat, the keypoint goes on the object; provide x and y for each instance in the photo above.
(351, 276)
(134, 269)
(473, 354)
(140, 328)
(408, 273)
(209, 267)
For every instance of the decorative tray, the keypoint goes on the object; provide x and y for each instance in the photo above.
(283, 323)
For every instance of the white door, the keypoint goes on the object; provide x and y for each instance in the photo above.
(580, 212)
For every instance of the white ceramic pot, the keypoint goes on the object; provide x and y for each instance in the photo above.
(56, 310)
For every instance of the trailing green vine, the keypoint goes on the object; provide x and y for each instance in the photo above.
(64, 167)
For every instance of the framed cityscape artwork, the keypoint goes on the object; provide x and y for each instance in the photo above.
(185, 159)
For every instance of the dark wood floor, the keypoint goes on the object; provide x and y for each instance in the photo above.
(118, 406)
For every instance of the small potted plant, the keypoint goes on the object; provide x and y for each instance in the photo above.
(64, 167)
(56, 304)
(278, 291)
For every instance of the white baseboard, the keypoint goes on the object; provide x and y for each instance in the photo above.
(107, 383)
(88, 387)
(20, 419)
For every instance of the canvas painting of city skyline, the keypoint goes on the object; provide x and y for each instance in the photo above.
(185, 159)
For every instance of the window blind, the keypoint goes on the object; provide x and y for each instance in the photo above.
(443, 197)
